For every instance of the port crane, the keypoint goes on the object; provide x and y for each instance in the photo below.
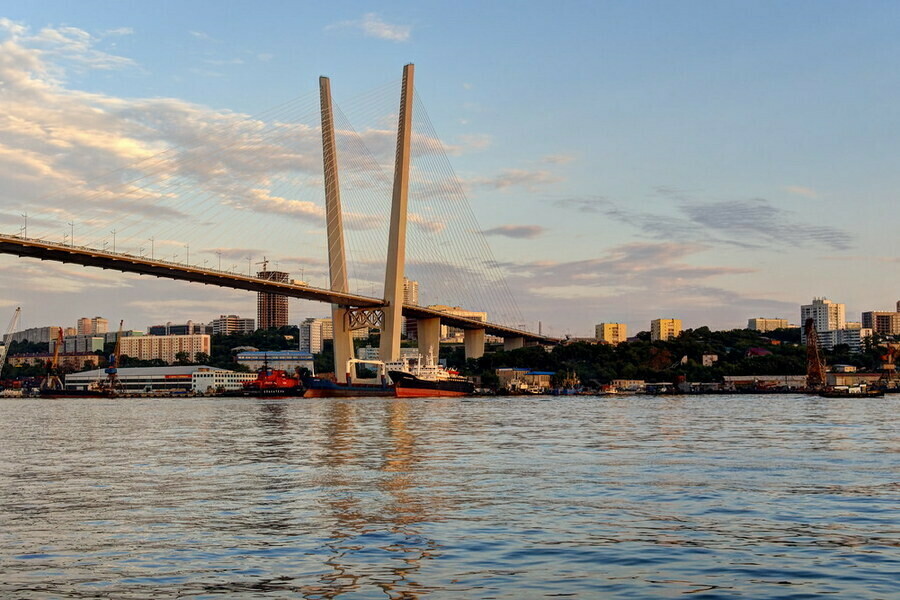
(52, 380)
(112, 367)
(815, 364)
(889, 364)
(13, 323)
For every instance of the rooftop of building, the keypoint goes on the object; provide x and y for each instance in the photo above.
(144, 371)
(274, 353)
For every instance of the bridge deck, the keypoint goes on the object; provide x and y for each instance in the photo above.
(142, 265)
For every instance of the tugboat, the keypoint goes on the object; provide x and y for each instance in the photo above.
(414, 379)
(273, 382)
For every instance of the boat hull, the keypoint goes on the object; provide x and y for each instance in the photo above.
(324, 388)
(295, 392)
(410, 386)
(78, 394)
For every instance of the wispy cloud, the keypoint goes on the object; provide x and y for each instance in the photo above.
(200, 35)
(748, 223)
(509, 178)
(516, 231)
(800, 190)
(557, 159)
(67, 44)
(372, 25)
(119, 31)
(475, 141)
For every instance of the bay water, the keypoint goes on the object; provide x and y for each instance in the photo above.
(770, 496)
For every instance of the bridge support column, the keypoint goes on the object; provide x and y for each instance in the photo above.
(343, 343)
(429, 333)
(396, 254)
(474, 339)
(512, 343)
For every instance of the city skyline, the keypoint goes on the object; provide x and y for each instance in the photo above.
(701, 162)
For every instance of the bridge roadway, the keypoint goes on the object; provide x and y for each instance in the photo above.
(129, 263)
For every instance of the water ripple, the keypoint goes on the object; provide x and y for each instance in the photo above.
(717, 497)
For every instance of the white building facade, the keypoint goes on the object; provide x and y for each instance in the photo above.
(228, 324)
(826, 315)
(208, 380)
(166, 347)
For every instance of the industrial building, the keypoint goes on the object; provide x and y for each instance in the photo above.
(163, 379)
(285, 360)
(524, 380)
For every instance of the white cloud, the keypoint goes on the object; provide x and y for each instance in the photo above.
(200, 35)
(372, 25)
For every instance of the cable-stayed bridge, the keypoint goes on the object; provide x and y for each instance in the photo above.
(142, 265)
(256, 170)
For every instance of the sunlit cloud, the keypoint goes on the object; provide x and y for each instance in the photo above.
(800, 190)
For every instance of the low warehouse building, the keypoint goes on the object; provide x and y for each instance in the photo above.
(171, 379)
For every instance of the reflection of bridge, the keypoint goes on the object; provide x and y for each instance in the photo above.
(349, 311)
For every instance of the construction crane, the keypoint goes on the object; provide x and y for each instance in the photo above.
(112, 368)
(13, 323)
(815, 364)
(52, 380)
(889, 364)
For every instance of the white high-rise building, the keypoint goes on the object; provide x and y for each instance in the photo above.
(826, 315)
(410, 296)
(314, 332)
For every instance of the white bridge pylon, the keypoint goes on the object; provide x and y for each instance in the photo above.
(389, 316)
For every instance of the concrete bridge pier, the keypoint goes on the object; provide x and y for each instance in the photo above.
(428, 332)
(513, 343)
(474, 341)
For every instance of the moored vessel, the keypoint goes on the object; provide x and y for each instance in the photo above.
(273, 382)
(414, 378)
(353, 387)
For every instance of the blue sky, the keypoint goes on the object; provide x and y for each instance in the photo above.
(705, 160)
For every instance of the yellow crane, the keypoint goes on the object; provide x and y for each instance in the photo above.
(52, 380)
(13, 323)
